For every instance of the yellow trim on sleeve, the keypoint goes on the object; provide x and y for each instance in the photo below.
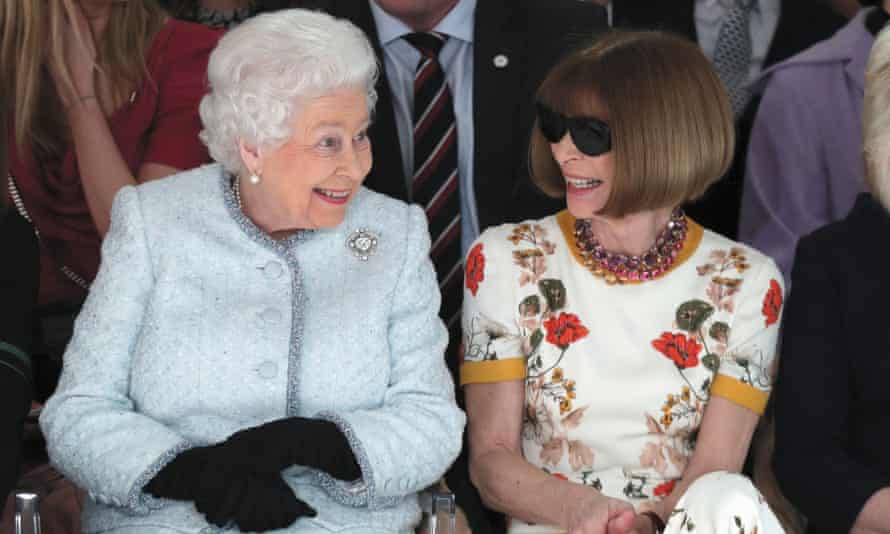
(492, 371)
(694, 234)
(740, 393)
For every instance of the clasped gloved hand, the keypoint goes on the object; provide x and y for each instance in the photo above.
(279, 444)
(225, 493)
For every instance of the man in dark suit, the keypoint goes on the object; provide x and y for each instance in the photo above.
(513, 44)
(470, 67)
(778, 29)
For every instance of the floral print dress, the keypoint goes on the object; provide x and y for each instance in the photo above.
(617, 377)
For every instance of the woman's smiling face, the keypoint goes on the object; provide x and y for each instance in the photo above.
(315, 174)
(588, 178)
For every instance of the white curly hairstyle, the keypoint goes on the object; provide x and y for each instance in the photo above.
(876, 120)
(261, 71)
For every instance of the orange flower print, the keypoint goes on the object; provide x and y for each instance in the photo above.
(560, 476)
(682, 350)
(564, 330)
(772, 303)
(664, 489)
(475, 269)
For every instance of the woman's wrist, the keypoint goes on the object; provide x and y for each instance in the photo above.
(578, 500)
(88, 102)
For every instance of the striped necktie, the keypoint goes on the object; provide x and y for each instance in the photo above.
(435, 181)
(732, 53)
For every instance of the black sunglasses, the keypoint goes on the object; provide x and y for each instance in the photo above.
(591, 135)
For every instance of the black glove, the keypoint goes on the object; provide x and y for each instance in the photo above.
(294, 441)
(225, 492)
(180, 477)
(256, 502)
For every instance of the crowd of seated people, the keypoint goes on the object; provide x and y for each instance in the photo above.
(286, 264)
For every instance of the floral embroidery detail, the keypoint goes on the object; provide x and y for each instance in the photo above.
(664, 489)
(682, 350)
(675, 432)
(686, 522)
(549, 431)
(722, 288)
(484, 337)
(679, 407)
(475, 269)
(564, 330)
(532, 261)
(772, 303)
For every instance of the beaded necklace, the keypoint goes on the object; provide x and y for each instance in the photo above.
(236, 188)
(619, 268)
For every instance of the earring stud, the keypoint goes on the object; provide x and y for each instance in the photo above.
(254, 178)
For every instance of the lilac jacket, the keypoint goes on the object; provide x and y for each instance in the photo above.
(805, 164)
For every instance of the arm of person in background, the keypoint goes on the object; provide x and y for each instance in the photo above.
(784, 194)
(742, 384)
(93, 432)
(493, 372)
(18, 285)
(173, 144)
(813, 403)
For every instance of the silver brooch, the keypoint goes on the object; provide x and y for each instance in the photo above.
(362, 243)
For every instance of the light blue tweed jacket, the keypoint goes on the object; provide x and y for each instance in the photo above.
(199, 325)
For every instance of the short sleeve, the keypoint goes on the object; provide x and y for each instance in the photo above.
(492, 341)
(182, 83)
(747, 367)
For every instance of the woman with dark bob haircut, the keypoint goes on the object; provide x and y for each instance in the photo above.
(618, 355)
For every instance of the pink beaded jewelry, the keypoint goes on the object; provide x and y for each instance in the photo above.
(619, 268)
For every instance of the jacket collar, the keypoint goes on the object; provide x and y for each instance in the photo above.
(850, 46)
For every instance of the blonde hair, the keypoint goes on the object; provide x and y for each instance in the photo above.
(876, 120)
(671, 122)
(33, 38)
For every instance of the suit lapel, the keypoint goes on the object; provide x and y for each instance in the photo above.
(801, 24)
(498, 58)
(779, 43)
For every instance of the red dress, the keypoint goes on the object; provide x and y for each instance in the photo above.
(159, 124)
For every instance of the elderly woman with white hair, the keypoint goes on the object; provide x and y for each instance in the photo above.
(832, 417)
(261, 348)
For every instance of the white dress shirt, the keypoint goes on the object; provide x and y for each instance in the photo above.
(709, 15)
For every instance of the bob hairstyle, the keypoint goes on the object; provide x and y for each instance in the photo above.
(876, 120)
(261, 71)
(672, 126)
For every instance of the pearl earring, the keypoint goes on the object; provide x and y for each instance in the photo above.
(254, 178)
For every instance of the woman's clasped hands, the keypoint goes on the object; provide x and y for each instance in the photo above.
(239, 480)
(599, 514)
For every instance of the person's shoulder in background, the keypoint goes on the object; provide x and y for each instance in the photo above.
(566, 24)
(184, 37)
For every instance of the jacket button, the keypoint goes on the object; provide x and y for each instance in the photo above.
(271, 316)
(273, 270)
(268, 369)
